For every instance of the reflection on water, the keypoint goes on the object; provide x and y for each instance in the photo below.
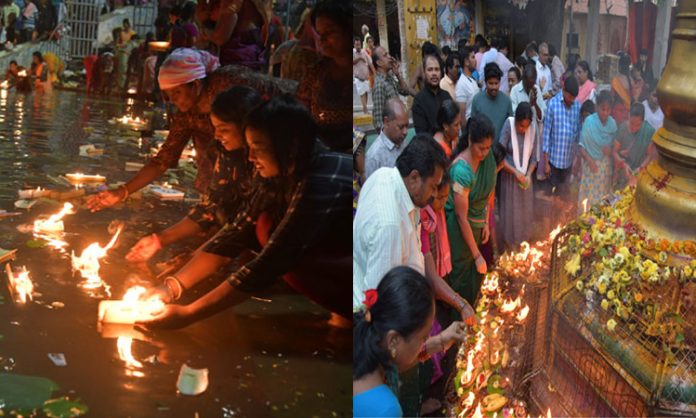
(277, 359)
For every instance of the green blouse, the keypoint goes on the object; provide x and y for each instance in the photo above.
(479, 184)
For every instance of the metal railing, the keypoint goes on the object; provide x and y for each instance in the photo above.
(144, 17)
(82, 20)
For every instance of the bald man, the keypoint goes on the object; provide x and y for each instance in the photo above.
(389, 144)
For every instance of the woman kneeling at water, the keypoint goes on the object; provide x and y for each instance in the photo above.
(304, 232)
(230, 187)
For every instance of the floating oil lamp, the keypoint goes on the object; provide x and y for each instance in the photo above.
(129, 310)
(33, 193)
(88, 263)
(54, 223)
(81, 178)
(20, 285)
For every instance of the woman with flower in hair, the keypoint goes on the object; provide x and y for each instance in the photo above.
(390, 336)
(190, 79)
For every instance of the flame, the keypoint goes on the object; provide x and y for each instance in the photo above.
(548, 411)
(496, 357)
(468, 373)
(469, 401)
(510, 305)
(477, 412)
(123, 344)
(21, 283)
(522, 314)
(132, 90)
(490, 283)
(584, 206)
(22, 73)
(126, 119)
(5, 84)
(555, 232)
(132, 297)
(54, 223)
(88, 262)
(480, 337)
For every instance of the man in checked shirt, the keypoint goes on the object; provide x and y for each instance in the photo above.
(388, 83)
(561, 133)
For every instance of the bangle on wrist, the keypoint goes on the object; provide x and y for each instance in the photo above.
(175, 287)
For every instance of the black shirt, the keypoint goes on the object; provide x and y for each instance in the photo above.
(425, 107)
(316, 221)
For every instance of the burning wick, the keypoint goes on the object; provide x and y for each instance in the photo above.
(522, 314)
(88, 262)
(55, 222)
(510, 305)
(584, 206)
(20, 285)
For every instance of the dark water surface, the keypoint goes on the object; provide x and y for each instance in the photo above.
(275, 359)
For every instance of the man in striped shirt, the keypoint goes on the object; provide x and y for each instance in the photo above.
(561, 133)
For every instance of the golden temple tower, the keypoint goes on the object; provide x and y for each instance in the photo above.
(665, 200)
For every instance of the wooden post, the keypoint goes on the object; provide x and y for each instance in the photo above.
(592, 31)
(382, 25)
(661, 45)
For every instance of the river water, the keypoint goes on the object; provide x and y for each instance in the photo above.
(274, 356)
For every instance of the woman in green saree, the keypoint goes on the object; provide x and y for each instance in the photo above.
(473, 174)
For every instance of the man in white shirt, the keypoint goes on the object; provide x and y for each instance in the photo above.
(528, 91)
(386, 228)
(505, 64)
(544, 77)
(653, 113)
(452, 74)
(466, 87)
(388, 145)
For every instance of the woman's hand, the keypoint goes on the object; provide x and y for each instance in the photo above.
(486, 233)
(481, 266)
(456, 332)
(593, 165)
(161, 292)
(172, 317)
(104, 199)
(521, 177)
(467, 312)
(144, 249)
